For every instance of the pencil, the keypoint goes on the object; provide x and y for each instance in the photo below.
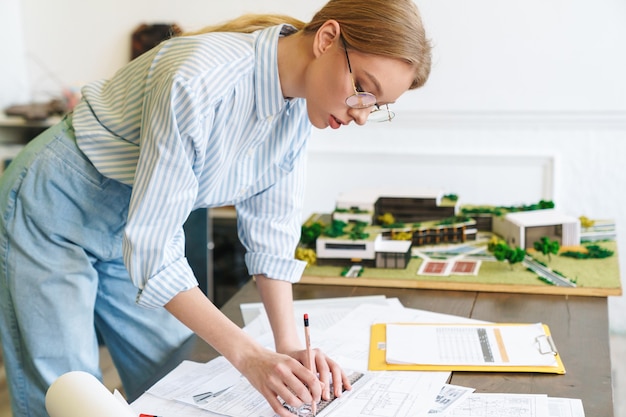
(309, 355)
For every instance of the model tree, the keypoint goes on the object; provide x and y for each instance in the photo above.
(307, 255)
(310, 233)
(358, 231)
(547, 246)
(336, 228)
(386, 219)
(503, 252)
(586, 222)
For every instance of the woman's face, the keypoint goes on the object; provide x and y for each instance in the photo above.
(329, 83)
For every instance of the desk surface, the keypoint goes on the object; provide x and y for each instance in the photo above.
(578, 324)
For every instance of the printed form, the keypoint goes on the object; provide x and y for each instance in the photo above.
(510, 345)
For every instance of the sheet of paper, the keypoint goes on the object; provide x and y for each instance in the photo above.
(322, 317)
(241, 400)
(565, 407)
(509, 405)
(192, 382)
(250, 311)
(467, 345)
(390, 394)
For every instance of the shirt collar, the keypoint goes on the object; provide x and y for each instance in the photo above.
(269, 96)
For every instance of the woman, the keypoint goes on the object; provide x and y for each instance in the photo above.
(92, 210)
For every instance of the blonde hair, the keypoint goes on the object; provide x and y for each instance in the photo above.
(389, 28)
(249, 23)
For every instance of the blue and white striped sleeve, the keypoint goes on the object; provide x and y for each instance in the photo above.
(164, 192)
(269, 225)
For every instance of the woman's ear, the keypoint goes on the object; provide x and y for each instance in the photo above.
(326, 36)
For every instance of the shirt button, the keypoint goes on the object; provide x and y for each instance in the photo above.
(270, 118)
(250, 152)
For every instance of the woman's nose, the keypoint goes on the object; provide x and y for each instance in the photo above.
(360, 115)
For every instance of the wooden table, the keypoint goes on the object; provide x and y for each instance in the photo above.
(579, 326)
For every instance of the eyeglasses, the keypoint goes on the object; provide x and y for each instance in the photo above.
(363, 99)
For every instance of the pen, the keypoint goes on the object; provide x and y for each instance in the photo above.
(309, 354)
(147, 415)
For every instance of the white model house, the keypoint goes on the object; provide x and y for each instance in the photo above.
(333, 248)
(378, 252)
(522, 229)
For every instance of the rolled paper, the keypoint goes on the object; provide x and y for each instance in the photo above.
(80, 394)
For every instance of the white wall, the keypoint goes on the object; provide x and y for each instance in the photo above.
(527, 55)
(13, 80)
(524, 93)
(71, 42)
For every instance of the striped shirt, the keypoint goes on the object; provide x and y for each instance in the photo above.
(200, 121)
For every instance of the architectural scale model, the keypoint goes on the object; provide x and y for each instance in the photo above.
(426, 239)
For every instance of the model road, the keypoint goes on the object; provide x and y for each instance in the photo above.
(547, 273)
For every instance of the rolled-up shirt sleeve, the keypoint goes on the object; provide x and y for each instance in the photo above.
(163, 286)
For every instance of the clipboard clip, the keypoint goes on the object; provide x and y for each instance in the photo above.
(546, 344)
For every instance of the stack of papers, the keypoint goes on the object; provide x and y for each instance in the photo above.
(341, 328)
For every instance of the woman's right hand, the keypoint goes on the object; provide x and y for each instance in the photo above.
(273, 374)
(277, 375)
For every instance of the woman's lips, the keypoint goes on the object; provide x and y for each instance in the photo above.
(333, 122)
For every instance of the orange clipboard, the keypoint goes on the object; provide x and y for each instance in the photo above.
(377, 356)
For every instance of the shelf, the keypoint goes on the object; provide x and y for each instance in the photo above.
(15, 121)
(18, 130)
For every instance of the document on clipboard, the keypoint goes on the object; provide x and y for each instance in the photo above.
(491, 347)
